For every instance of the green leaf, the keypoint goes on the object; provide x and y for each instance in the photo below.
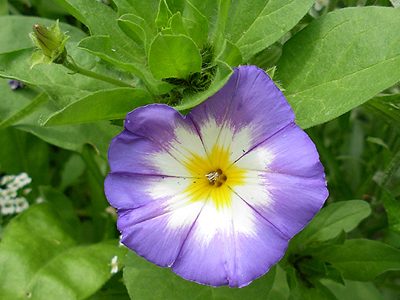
(3, 7)
(331, 66)
(255, 25)
(332, 219)
(41, 260)
(145, 280)
(196, 24)
(354, 290)
(218, 30)
(65, 211)
(15, 32)
(99, 106)
(143, 9)
(174, 56)
(392, 207)
(316, 292)
(231, 55)
(362, 259)
(62, 87)
(177, 25)
(34, 105)
(223, 74)
(280, 289)
(132, 26)
(71, 137)
(102, 47)
(163, 15)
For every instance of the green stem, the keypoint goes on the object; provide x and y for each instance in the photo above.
(76, 69)
(36, 103)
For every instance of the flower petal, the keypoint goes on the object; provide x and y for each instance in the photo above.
(232, 247)
(250, 103)
(287, 180)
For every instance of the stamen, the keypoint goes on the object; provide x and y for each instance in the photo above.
(213, 177)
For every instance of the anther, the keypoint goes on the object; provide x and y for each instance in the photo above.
(212, 177)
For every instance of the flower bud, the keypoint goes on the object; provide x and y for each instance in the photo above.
(51, 42)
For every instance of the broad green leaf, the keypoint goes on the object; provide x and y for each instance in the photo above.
(22, 152)
(196, 24)
(315, 292)
(14, 33)
(332, 219)
(99, 106)
(102, 47)
(231, 55)
(14, 101)
(361, 259)
(41, 260)
(280, 289)
(124, 48)
(163, 15)
(28, 109)
(333, 64)
(392, 207)
(62, 87)
(144, 9)
(65, 211)
(353, 290)
(132, 26)
(145, 280)
(3, 7)
(209, 9)
(176, 5)
(255, 25)
(223, 74)
(177, 26)
(174, 56)
(71, 137)
(218, 31)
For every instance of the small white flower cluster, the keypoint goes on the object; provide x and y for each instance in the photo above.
(9, 186)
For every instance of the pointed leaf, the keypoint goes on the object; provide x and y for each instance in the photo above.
(231, 55)
(332, 219)
(174, 56)
(40, 260)
(145, 280)
(362, 259)
(255, 25)
(163, 15)
(99, 106)
(196, 24)
(333, 64)
(132, 26)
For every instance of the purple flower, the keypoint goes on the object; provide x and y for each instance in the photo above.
(216, 195)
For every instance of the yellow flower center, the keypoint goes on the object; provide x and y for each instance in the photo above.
(213, 177)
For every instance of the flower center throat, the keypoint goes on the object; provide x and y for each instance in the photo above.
(216, 178)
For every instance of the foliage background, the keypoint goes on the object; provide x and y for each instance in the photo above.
(338, 64)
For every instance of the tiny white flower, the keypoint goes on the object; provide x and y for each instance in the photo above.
(39, 200)
(27, 191)
(21, 204)
(114, 265)
(6, 193)
(7, 206)
(19, 181)
(6, 179)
